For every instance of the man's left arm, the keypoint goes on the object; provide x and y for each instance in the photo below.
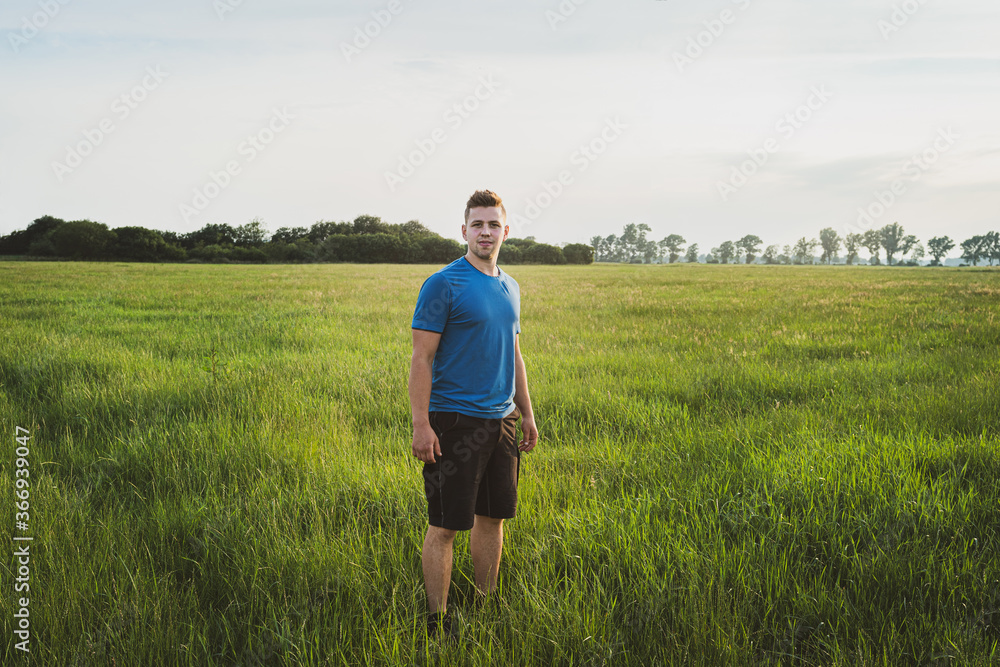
(529, 432)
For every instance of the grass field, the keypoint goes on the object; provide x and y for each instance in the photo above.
(737, 466)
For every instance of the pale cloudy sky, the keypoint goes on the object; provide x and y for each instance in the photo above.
(654, 111)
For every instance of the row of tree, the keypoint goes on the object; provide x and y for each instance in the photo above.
(634, 247)
(367, 239)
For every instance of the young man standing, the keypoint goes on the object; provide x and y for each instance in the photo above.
(467, 388)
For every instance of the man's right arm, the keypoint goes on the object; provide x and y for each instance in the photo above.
(425, 441)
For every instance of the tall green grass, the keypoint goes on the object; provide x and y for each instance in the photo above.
(738, 466)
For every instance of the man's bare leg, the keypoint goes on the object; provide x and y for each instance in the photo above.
(486, 545)
(436, 559)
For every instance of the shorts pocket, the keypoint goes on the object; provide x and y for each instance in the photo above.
(442, 422)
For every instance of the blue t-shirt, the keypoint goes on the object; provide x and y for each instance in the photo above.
(478, 317)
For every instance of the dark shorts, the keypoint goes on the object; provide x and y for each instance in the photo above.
(476, 472)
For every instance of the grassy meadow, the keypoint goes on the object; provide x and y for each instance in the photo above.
(737, 466)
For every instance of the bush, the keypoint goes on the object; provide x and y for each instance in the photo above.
(337, 248)
(543, 253)
(434, 249)
(365, 240)
(138, 244)
(300, 250)
(42, 247)
(83, 239)
(578, 253)
(248, 255)
(509, 254)
(383, 247)
(210, 253)
(21, 241)
(220, 235)
(173, 253)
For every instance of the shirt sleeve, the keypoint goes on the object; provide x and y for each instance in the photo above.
(433, 304)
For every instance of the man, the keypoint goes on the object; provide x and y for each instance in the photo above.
(467, 388)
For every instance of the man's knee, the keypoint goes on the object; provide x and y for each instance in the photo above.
(441, 535)
(488, 523)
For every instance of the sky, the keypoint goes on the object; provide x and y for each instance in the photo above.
(712, 119)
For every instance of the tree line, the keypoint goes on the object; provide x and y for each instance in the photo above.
(633, 246)
(366, 239)
(369, 239)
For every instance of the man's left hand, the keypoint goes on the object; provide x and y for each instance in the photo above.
(529, 434)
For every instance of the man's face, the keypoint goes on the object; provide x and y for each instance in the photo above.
(485, 231)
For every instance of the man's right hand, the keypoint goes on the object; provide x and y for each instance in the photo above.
(425, 443)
